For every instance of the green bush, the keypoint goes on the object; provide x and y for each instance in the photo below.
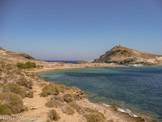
(26, 65)
(4, 110)
(50, 89)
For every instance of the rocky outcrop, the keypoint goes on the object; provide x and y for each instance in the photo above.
(123, 55)
(8, 54)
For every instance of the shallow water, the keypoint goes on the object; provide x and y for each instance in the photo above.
(138, 89)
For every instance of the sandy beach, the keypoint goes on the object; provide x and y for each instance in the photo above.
(62, 66)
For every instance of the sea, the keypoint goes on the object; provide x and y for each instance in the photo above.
(72, 62)
(134, 90)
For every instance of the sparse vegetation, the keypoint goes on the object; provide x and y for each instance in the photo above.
(50, 89)
(68, 98)
(4, 110)
(95, 117)
(11, 87)
(68, 110)
(77, 107)
(53, 103)
(53, 115)
(12, 100)
(23, 82)
(29, 93)
(26, 65)
(58, 98)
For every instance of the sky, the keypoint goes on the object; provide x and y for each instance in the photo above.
(79, 29)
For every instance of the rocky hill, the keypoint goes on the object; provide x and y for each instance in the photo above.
(123, 55)
(20, 56)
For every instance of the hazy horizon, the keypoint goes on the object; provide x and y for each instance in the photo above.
(79, 29)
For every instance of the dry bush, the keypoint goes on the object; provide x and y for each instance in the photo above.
(11, 87)
(50, 89)
(95, 117)
(68, 98)
(54, 103)
(53, 115)
(12, 100)
(68, 110)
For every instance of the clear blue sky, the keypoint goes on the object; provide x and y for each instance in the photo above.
(79, 29)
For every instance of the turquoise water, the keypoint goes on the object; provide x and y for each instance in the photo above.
(138, 89)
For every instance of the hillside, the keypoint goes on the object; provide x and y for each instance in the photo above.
(10, 54)
(123, 55)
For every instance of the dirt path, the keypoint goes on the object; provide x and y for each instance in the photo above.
(38, 112)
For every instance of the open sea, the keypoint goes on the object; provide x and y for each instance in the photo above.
(133, 90)
(72, 62)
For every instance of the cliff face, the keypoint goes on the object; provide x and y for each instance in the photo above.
(123, 55)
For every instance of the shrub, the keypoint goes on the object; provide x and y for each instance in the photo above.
(58, 98)
(77, 107)
(95, 117)
(61, 88)
(23, 82)
(68, 98)
(12, 100)
(53, 115)
(68, 110)
(4, 110)
(89, 110)
(11, 87)
(53, 103)
(49, 89)
(26, 65)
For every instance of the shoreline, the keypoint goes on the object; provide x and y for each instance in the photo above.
(126, 113)
(75, 66)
